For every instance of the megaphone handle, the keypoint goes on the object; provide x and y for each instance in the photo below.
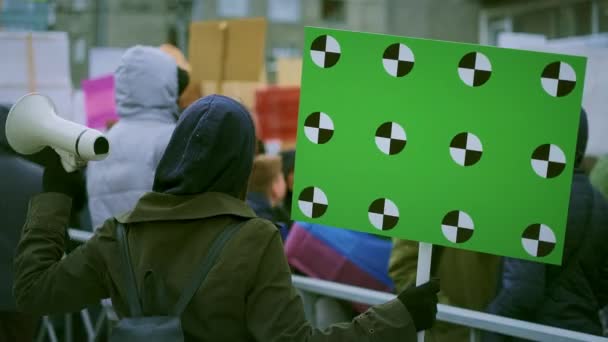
(70, 161)
(67, 166)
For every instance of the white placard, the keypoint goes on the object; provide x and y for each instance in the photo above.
(61, 97)
(78, 108)
(595, 101)
(51, 59)
(104, 61)
(80, 50)
(49, 70)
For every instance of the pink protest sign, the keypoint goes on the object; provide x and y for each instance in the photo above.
(99, 101)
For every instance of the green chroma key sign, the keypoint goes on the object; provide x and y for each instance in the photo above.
(452, 144)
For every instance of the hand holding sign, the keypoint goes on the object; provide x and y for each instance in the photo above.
(421, 302)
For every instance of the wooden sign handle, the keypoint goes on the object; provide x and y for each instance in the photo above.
(31, 65)
(223, 47)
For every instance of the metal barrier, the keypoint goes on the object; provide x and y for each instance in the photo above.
(476, 321)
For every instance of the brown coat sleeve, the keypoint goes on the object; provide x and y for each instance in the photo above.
(45, 281)
(275, 311)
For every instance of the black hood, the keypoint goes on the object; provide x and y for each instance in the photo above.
(581, 141)
(211, 150)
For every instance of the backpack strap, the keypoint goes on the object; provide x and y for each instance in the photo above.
(129, 277)
(205, 266)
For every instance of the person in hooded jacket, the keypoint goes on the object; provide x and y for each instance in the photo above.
(148, 84)
(567, 296)
(599, 175)
(199, 189)
(21, 179)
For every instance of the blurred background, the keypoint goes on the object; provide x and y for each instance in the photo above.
(122, 23)
(99, 30)
(69, 49)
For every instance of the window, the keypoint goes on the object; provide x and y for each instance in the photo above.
(556, 22)
(539, 22)
(603, 15)
(333, 10)
(286, 11)
(575, 20)
(232, 8)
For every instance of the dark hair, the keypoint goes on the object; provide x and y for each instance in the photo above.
(183, 78)
(265, 170)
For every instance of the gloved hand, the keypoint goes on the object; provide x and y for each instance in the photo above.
(421, 302)
(56, 179)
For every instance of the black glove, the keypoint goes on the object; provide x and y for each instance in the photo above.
(56, 179)
(421, 302)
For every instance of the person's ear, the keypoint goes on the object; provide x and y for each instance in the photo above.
(279, 188)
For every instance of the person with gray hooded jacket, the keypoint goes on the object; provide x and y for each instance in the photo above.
(148, 83)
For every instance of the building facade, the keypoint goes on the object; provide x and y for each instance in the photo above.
(122, 23)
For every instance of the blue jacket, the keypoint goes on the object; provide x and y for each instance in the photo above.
(262, 208)
(261, 205)
(567, 296)
(146, 98)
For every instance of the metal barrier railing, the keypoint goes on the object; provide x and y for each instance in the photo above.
(476, 321)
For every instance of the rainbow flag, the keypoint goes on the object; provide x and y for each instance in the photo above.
(340, 255)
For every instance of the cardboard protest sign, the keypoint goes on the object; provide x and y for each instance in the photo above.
(231, 50)
(459, 145)
(242, 91)
(289, 71)
(277, 110)
(100, 103)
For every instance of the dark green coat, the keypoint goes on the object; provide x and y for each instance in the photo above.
(247, 296)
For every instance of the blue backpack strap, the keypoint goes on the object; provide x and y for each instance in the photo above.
(133, 300)
(205, 266)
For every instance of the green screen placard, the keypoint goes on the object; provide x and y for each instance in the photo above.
(459, 145)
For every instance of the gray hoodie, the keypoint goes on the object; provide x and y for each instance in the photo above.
(146, 98)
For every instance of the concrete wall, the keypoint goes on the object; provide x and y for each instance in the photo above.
(79, 22)
(455, 20)
(117, 23)
(123, 23)
(132, 22)
(361, 15)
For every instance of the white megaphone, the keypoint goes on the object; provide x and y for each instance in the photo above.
(33, 124)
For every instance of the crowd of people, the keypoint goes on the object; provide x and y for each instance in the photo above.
(180, 175)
